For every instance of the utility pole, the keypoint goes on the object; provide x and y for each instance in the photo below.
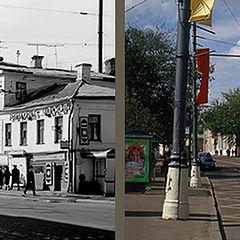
(100, 38)
(195, 169)
(176, 200)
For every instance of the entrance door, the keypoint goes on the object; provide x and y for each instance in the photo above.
(58, 177)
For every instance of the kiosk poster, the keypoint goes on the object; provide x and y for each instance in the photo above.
(137, 160)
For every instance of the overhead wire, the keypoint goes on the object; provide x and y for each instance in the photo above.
(134, 6)
(53, 10)
(219, 41)
(231, 12)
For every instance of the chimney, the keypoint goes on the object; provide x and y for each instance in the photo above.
(37, 61)
(110, 66)
(84, 71)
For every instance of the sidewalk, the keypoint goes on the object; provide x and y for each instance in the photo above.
(143, 215)
(50, 196)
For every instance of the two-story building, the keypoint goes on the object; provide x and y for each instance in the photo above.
(60, 122)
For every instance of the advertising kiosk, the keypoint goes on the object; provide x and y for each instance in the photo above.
(138, 144)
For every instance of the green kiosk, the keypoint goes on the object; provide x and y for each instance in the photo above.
(138, 157)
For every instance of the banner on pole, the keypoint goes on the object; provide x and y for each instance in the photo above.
(201, 11)
(203, 69)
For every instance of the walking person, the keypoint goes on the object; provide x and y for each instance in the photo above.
(15, 177)
(30, 182)
(1, 177)
(6, 177)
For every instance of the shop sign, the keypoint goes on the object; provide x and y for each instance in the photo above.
(84, 131)
(66, 171)
(48, 178)
(137, 160)
(51, 111)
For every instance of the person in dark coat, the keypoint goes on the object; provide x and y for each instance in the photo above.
(30, 182)
(15, 177)
(6, 177)
(1, 177)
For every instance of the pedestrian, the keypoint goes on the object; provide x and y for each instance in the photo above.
(6, 177)
(228, 152)
(1, 177)
(15, 176)
(30, 182)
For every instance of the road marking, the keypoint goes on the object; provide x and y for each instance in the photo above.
(229, 216)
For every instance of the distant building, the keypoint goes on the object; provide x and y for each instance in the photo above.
(60, 122)
(217, 145)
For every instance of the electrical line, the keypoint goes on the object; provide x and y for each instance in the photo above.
(219, 41)
(135, 6)
(53, 44)
(231, 12)
(52, 10)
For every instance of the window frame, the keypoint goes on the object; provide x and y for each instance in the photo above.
(58, 127)
(94, 125)
(21, 90)
(8, 140)
(40, 131)
(23, 128)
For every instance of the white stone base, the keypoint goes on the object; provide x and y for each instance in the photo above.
(176, 200)
(195, 181)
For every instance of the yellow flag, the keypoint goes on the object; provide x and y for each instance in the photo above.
(201, 11)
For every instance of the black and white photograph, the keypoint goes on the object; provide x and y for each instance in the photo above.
(57, 119)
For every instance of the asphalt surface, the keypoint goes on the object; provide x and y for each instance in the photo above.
(143, 215)
(226, 182)
(51, 217)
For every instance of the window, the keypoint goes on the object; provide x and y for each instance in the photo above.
(40, 132)
(8, 134)
(23, 133)
(21, 90)
(58, 129)
(94, 127)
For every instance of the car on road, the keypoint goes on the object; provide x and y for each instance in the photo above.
(206, 161)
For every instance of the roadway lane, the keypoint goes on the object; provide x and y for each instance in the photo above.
(92, 214)
(226, 182)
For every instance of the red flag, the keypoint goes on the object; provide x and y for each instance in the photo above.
(203, 68)
(213, 135)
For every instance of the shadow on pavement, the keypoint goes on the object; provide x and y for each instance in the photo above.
(33, 229)
(231, 225)
(142, 214)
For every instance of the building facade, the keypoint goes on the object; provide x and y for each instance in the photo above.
(217, 145)
(60, 122)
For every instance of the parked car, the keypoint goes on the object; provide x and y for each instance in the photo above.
(206, 161)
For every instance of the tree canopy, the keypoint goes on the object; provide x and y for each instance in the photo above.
(150, 77)
(224, 116)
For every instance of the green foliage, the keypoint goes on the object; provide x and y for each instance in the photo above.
(150, 78)
(224, 116)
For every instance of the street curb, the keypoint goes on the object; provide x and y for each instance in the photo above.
(217, 228)
(62, 199)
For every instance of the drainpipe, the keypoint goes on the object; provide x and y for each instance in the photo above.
(70, 154)
(71, 184)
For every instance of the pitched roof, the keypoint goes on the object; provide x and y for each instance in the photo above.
(57, 93)
(89, 90)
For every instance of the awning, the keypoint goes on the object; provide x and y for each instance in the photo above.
(106, 153)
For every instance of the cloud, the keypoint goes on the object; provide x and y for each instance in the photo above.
(151, 12)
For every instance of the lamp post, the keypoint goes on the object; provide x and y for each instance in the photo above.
(176, 199)
(195, 169)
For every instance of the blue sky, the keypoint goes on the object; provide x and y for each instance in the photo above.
(227, 70)
(56, 22)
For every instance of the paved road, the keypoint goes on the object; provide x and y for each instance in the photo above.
(226, 182)
(85, 220)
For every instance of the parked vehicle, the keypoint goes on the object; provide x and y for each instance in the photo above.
(206, 161)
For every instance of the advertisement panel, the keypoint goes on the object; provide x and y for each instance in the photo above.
(137, 160)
